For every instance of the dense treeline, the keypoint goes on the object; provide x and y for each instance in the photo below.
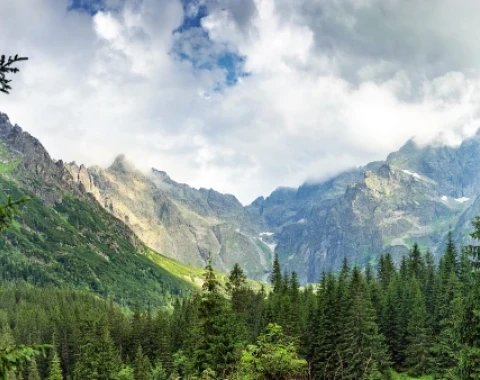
(419, 317)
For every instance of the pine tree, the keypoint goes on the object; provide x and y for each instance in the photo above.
(392, 324)
(446, 347)
(236, 279)
(469, 327)
(273, 357)
(363, 352)
(419, 341)
(32, 370)
(386, 270)
(142, 366)
(7, 67)
(216, 332)
(158, 372)
(449, 263)
(55, 370)
(108, 358)
(276, 278)
(86, 365)
(416, 263)
(328, 331)
(431, 291)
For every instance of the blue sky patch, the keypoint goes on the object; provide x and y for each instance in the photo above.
(225, 59)
(90, 6)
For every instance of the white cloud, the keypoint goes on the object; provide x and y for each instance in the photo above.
(332, 84)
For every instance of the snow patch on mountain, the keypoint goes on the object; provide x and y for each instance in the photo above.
(413, 174)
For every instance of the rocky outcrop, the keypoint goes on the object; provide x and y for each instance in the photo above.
(176, 220)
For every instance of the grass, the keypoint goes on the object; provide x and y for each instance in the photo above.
(8, 167)
(404, 376)
(193, 275)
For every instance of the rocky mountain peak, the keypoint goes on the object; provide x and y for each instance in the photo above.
(161, 175)
(122, 164)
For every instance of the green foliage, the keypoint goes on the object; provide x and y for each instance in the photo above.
(236, 280)
(142, 366)
(55, 370)
(9, 210)
(15, 357)
(32, 370)
(7, 67)
(273, 357)
(126, 373)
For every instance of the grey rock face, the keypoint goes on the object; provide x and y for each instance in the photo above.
(417, 194)
(176, 220)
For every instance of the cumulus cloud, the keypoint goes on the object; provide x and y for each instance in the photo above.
(322, 85)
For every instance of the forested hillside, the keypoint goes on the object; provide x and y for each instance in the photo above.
(415, 319)
(65, 239)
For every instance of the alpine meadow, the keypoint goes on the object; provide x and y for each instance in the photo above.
(349, 132)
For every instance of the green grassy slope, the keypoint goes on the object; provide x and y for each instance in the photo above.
(403, 376)
(77, 245)
(192, 274)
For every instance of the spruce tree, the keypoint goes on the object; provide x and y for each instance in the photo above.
(158, 372)
(108, 358)
(392, 324)
(469, 327)
(236, 279)
(449, 263)
(55, 372)
(328, 331)
(363, 351)
(276, 278)
(419, 341)
(416, 263)
(447, 344)
(7, 66)
(142, 367)
(32, 370)
(216, 333)
(386, 270)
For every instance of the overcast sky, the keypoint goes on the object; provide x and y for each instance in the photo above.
(242, 95)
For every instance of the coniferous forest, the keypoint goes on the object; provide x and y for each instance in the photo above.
(420, 317)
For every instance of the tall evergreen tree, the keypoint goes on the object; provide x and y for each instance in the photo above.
(236, 279)
(386, 270)
(363, 350)
(32, 370)
(419, 347)
(276, 278)
(55, 370)
(142, 367)
(416, 263)
(469, 327)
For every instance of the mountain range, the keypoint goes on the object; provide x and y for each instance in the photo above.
(416, 194)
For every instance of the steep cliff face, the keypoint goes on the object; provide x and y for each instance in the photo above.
(179, 221)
